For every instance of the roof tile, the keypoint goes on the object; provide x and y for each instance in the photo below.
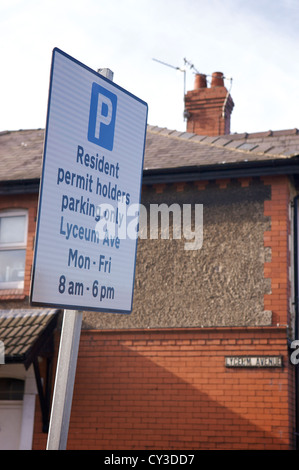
(247, 146)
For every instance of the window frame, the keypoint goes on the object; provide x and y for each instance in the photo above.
(13, 246)
(14, 390)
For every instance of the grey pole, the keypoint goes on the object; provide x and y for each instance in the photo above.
(64, 381)
(106, 73)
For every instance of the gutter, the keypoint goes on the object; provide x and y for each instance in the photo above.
(219, 171)
(19, 186)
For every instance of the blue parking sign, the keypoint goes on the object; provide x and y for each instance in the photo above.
(85, 251)
(101, 126)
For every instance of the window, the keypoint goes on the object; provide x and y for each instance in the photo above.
(13, 239)
(11, 389)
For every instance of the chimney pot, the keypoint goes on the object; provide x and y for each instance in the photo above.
(200, 81)
(217, 79)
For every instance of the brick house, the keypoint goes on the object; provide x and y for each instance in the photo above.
(203, 360)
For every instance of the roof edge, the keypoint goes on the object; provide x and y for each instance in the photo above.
(212, 172)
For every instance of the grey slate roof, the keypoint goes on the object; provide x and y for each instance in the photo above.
(21, 151)
(21, 154)
(172, 149)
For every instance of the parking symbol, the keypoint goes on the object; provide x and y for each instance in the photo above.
(102, 117)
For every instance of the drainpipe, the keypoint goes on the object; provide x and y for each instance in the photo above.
(296, 325)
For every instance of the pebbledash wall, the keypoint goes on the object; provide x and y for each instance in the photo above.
(157, 379)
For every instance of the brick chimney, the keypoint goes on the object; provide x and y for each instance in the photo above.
(208, 109)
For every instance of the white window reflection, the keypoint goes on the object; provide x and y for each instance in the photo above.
(13, 239)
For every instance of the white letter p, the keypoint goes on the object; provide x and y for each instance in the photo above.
(103, 118)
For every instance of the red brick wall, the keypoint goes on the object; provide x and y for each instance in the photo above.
(170, 389)
(278, 240)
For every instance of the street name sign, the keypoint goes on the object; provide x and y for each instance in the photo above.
(86, 237)
(253, 361)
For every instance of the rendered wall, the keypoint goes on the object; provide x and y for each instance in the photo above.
(221, 284)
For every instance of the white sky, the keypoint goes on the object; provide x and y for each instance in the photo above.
(255, 42)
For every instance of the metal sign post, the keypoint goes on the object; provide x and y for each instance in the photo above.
(65, 379)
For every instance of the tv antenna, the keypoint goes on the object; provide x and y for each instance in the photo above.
(186, 62)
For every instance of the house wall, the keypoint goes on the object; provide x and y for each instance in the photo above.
(157, 378)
